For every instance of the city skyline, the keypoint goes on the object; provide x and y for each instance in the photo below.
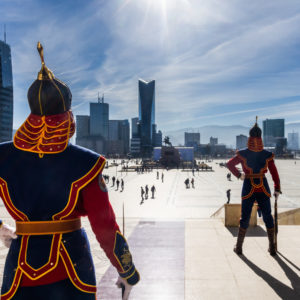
(213, 63)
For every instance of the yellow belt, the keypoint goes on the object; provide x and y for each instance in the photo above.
(47, 227)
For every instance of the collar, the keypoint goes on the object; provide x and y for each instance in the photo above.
(255, 144)
(45, 134)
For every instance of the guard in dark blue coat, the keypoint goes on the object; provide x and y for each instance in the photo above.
(47, 185)
(255, 162)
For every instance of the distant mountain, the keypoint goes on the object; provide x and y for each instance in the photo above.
(225, 134)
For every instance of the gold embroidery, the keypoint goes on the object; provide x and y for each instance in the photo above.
(126, 258)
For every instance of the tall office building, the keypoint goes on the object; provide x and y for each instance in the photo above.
(241, 141)
(99, 114)
(213, 141)
(273, 130)
(118, 142)
(293, 141)
(134, 127)
(191, 139)
(82, 126)
(6, 93)
(146, 115)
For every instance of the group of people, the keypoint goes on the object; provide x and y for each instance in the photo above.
(145, 193)
(187, 183)
(115, 182)
(162, 176)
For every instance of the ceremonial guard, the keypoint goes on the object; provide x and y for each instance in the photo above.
(255, 162)
(47, 185)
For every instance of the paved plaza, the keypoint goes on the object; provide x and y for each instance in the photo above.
(183, 253)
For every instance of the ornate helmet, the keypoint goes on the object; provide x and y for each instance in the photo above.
(48, 95)
(255, 131)
(50, 125)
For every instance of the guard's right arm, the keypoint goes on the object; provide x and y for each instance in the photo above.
(103, 222)
(231, 165)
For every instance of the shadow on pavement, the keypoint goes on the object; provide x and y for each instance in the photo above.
(251, 231)
(282, 290)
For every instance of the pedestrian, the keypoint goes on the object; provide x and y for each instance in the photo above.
(142, 193)
(192, 182)
(228, 195)
(113, 180)
(118, 183)
(187, 182)
(153, 191)
(162, 177)
(48, 212)
(255, 162)
(146, 191)
(122, 185)
(157, 175)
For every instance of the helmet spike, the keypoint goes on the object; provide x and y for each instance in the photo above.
(44, 73)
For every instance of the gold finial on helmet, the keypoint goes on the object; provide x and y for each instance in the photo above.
(256, 119)
(44, 73)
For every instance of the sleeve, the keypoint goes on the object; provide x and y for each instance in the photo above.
(231, 165)
(103, 222)
(275, 176)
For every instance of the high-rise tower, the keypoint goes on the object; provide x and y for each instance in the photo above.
(6, 93)
(146, 115)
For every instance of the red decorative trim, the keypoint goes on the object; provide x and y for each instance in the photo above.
(35, 274)
(45, 134)
(77, 186)
(255, 144)
(14, 286)
(13, 211)
(87, 288)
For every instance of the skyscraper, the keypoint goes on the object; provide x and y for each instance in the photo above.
(273, 129)
(99, 113)
(241, 141)
(6, 93)
(146, 114)
(191, 139)
(293, 140)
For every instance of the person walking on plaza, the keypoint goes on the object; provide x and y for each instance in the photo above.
(153, 191)
(255, 162)
(118, 183)
(122, 185)
(157, 175)
(162, 177)
(146, 191)
(187, 183)
(142, 194)
(228, 195)
(113, 180)
(47, 185)
(193, 182)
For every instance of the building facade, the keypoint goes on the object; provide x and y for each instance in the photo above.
(118, 141)
(241, 141)
(192, 139)
(273, 130)
(213, 141)
(99, 116)
(146, 93)
(293, 141)
(6, 93)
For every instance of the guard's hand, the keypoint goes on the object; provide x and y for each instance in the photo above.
(7, 233)
(242, 177)
(127, 286)
(276, 194)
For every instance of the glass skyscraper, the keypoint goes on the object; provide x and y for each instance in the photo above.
(272, 130)
(99, 119)
(6, 93)
(146, 115)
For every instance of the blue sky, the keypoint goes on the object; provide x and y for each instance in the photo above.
(214, 61)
